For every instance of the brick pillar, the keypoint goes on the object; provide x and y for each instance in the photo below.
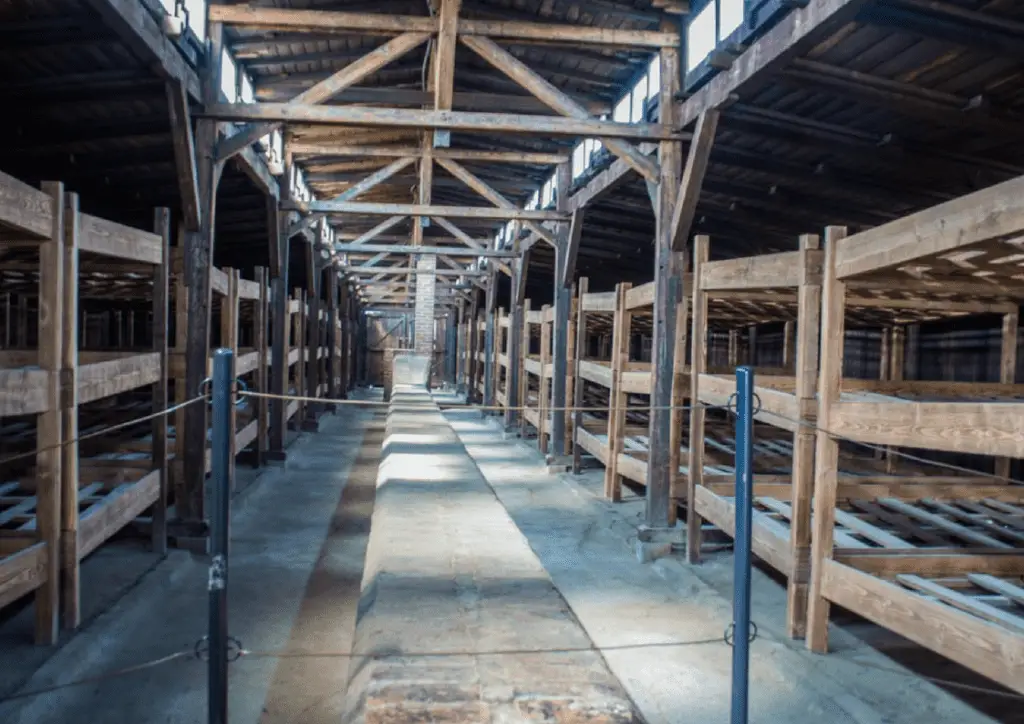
(426, 284)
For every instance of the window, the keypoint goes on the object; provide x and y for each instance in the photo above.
(700, 36)
(196, 17)
(228, 77)
(548, 192)
(639, 95)
(247, 94)
(653, 78)
(620, 114)
(730, 17)
(579, 160)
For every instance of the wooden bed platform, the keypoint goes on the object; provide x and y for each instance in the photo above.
(66, 500)
(963, 602)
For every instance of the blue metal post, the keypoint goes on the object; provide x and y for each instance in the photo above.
(220, 484)
(741, 573)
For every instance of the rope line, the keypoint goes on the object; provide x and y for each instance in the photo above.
(103, 431)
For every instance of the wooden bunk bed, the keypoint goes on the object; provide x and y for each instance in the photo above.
(76, 495)
(951, 580)
(536, 368)
(502, 345)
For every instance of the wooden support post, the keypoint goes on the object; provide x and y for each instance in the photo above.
(734, 348)
(788, 360)
(161, 283)
(826, 464)
(299, 343)
(489, 360)
(562, 303)
(198, 262)
(70, 583)
(751, 357)
(515, 344)
(617, 398)
(347, 327)
(48, 425)
(524, 378)
(668, 279)
(579, 352)
(544, 393)
(229, 340)
(332, 335)
(570, 374)
(260, 334)
(314, 271)
(698, 415)
(1008, 371)
(808, 317)
(471, 394)
(897, 367)
(277, 225)
(180, 336)
(680, 387)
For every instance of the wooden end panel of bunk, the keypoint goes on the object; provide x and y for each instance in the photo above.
(770, 540)
(23, 392)
(105, 379)
(115, 511)
(785, 270)
(532, 366)
(108, 238)
(985, 428)
(641, 296)
(637, 383)
(599, 302)
(249, 290)
(778, 408)
(248, 362)
(25, 208)
(245, 436)
(990, 649)
(22, 572)
(632, 468)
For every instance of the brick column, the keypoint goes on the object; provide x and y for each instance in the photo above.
(426, 284)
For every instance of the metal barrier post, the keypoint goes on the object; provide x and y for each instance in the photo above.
(220, 482)
(741, 572)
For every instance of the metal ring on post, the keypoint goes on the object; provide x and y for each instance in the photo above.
(240, 403)
(205, 385)
(730, 633)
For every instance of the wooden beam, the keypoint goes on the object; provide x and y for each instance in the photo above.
(184, 153)
(567, 272)
(410, 249)
(354, 191)
(357, 270)
(693, 178)
(444, 57)
(429, 119)
(379, 229)
(455, 154)
(481, 187)
(464, 212)
(142, 34)
(556, 100)
(327, 89)
(322, 21)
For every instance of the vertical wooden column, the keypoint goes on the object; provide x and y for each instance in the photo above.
(668, 275)
(897, 366)
(544, 391)
(180, 335)
(734, 348)
(460, 345)
(680, 387)
(617, 399)
(333, 363)
(260, 333)
(277, 223)
(313, 330)
(299, 343)
(229, 339)
(698, 415)
(500, 351)
(199, 247)
(48, 424)
(570, 374)
(524, 378)
(826, 463)
(489, 360)
(788, 359)
(751, 358)
(347, 326)
(561, 308)
(579, 352)
(70, 583)
(1008, 370)
(807, 326)
(161, 282)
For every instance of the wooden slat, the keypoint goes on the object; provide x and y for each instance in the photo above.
(117, 510)
(105, 379)
(932, 562)
(22, 573)
(963, 602)
(23, 392)
(765, 271)
(108, 238)
(24, 208)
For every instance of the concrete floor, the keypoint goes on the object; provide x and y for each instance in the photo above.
(629, 610)
(297, 541)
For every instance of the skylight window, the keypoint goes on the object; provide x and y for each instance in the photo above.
(620, 114)
(639, 95)
(700, 36)
(654, 78)
(228, 77)
(248, 95)
(730, 17)
(579, 160)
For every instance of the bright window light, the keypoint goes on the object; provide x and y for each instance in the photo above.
(730, 17)
(228, 77)
(621, 112)
(700, 36)
(197, 17)
(169, 6)
(579, 160)
(248, 95)
(636, 113)
(654, 78)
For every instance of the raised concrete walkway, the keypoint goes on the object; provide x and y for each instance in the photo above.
(459, 621)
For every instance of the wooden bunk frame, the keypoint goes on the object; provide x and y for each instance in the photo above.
(536, 380)
(956, 599)
(502, 368)
(58, 521)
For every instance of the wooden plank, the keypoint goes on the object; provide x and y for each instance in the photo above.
(323, 148)
(99, 236)
(641, 296)
(1008, 370)
(616, 397)
(249, 290)
(963, 602)
(597, 372)
(184, 153)
(556, 100)
(105, 379)
(765, 271)
(494, 123)
(118, 509)
(770, 539)
(158, 426)
(907, 490)
(992, 213)
(592, 445)
(1003, 588)
(986, 648)
(981, 428)
(24, 208)
(937, 521)
(599, 302)
(932, 562)
(465, 212)
(688, 194)
(778, 408)
(23, 572)
(24, 392)
(322, 21)
(826, 462)
(70, 586)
